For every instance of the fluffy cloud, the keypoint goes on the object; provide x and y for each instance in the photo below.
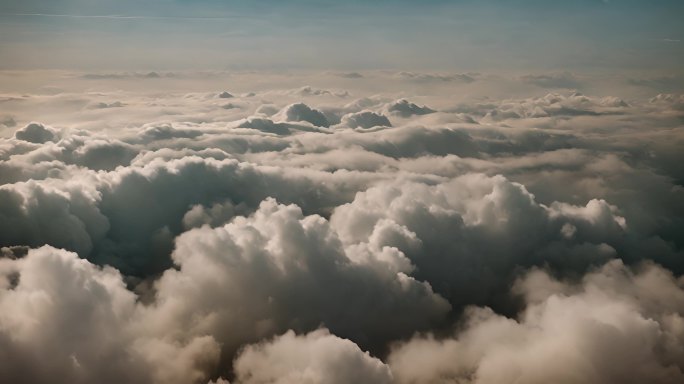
(615, 326)
(498, 234)
(36, 213)
(278, 270)
(466, 236)
(36, 133)
(317, 357)
(302, 112)
(404, 108)
(65, 320)
(365, 119)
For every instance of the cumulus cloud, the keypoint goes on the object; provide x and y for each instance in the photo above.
(494, 234)
(404, 108)
(317, 357)
(473, 231)
(365, 119)
(278, 270)
(615, 326)
(65, 320)
(166, 132)
(302, 112)
(36, 133)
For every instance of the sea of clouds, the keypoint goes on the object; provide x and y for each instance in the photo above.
(376, 227)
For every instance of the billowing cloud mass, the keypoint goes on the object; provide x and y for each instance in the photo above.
(614, 326)
(365, 119)
(317, 357)
(452, 228)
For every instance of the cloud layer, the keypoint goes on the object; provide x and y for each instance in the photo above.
(315, 231)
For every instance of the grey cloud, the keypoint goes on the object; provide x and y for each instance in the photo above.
(351, 75)
(8, 121)
(365, 119)
(166, 132)
(267, 109)
(230, 106)
(128, 75)
(550, 105)
(106, 155)
(428, 77)
(310, 91)
(35, 214)
(661, 84)
(102, 105)
(302, 112)
(675, 102)
(266, 125)
(559, 80)
(404, 108)
(36, 133)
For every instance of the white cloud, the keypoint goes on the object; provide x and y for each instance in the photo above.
(278, 270)
(615, 326)
(200, 232)
(317, 357)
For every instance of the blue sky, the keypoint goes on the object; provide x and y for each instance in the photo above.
(320, 34)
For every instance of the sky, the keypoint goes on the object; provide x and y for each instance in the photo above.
(327, 192)
(316, 34)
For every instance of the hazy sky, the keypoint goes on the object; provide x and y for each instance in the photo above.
(320, 34)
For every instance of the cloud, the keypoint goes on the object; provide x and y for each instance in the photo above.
(661, 84)
(498, 233)
(404, 108)
(427, 77)
(166, 132)
(36, 133)
(302, 112)
(82, 327)
(317, 357)
(35, 214)
(473, 231)
(350, 75)
(125, 75)
(559, 80)
(310, 91)
(277, 270)
(7, 121)
(102, 105)
(615, 326)
(365, 119)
